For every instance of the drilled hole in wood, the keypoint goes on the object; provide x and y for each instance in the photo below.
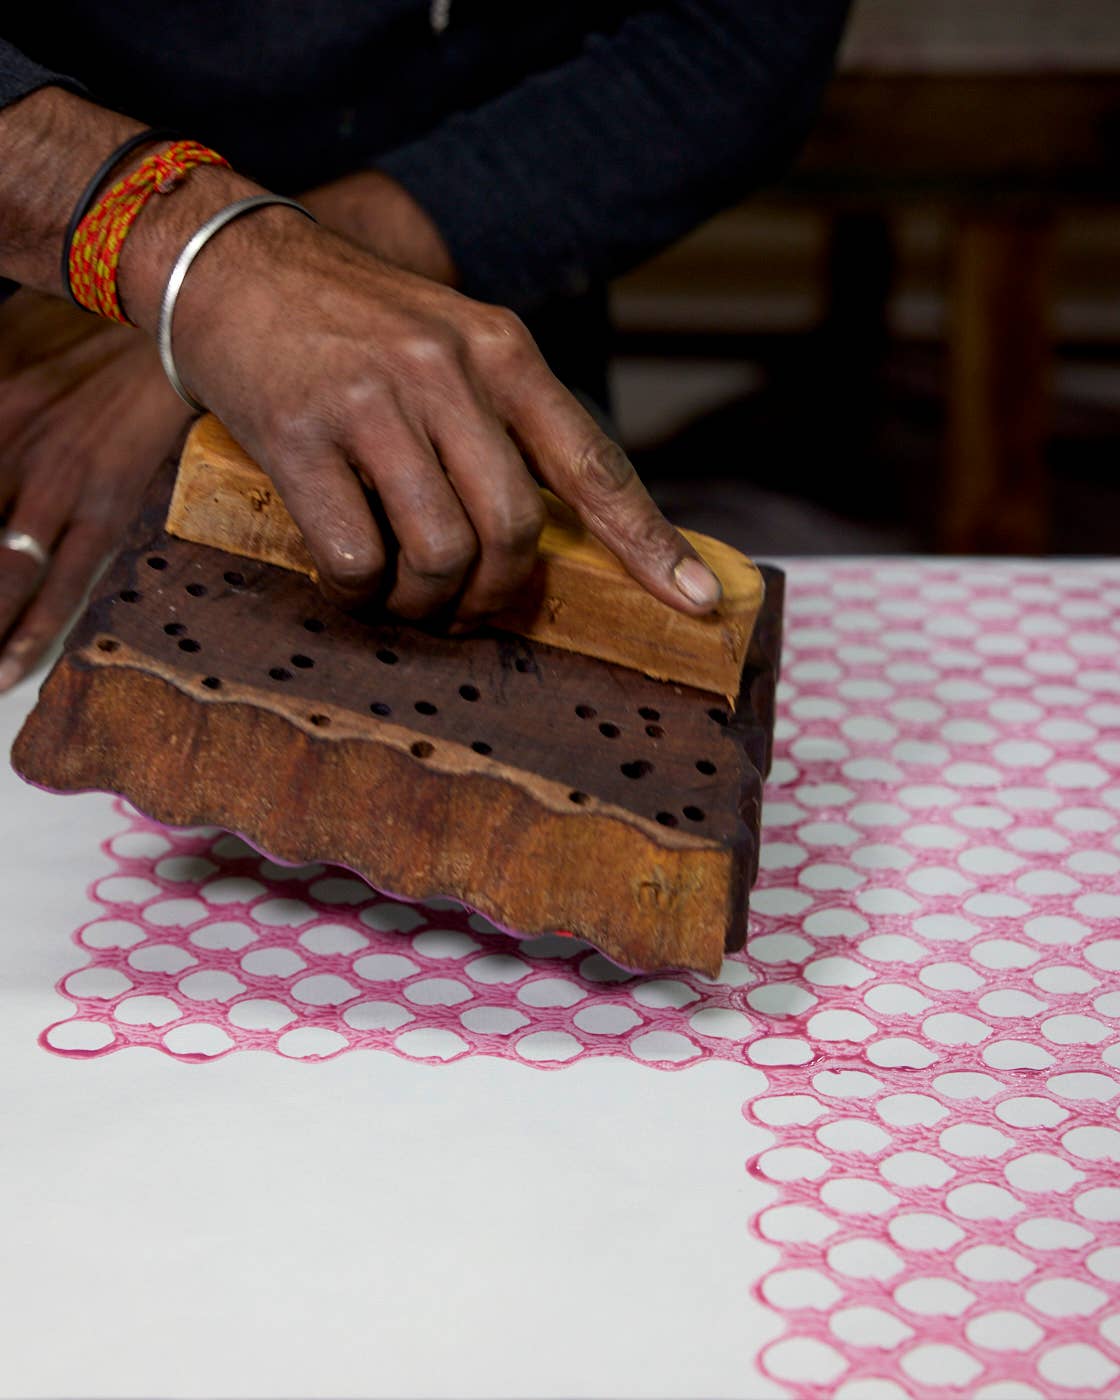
(536, 735)
(666, 819)
(196, 590)
(648, 712)
(469, 692)
(320, 721)
(130, 595)
(387, 657)
(157, 562)
(705, 766)
(302, 663)
(234, 579)
(579, 798)
(637, 769)
(422, 749)
(175, 629)
(524, 664)
(190, 645)
(720, 716)
(279, 674)
(655, 731)
(425, 707)
(211, 683)
(107, 644)
(694, 814)
(609, 731)
(481, 746)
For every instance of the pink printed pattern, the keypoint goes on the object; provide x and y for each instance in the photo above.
(206, 947)
(930, 989)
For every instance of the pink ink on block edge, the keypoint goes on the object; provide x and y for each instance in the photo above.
(929, 985)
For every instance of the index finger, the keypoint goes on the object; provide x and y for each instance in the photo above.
(572, 455)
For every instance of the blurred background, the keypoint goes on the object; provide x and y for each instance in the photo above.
(912, 344)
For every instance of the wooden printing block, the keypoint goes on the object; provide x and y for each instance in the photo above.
(580, 598)
(548, 790)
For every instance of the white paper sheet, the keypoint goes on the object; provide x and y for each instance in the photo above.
(361, 1227)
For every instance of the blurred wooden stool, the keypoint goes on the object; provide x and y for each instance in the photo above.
(1007, 114)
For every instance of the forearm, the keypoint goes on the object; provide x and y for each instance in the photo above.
(52, 142)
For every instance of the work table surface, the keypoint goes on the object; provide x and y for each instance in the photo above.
(267, 1133)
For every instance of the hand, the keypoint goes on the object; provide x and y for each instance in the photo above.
(378, 214)
(337, 370)
(86, 417)
(320, 358)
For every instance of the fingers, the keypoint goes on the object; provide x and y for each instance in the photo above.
(74, 471)
(358, 344)
(594, 476)
(65, 454)
(437, 544)
(506, 512)
(36, 327)
(19, 578)
(328, 504)
(21, 575)
(30, 388)
(80, 555)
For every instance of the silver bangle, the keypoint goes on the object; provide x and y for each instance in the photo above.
(182, 266)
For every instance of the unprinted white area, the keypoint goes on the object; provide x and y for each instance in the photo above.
(362, 1227)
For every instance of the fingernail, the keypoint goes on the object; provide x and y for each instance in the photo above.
(697, 582)
(10, 673)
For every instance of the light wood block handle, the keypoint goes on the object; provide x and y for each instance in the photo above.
(583, 599)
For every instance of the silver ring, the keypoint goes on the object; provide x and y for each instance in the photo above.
(195, 245)
(20, 542)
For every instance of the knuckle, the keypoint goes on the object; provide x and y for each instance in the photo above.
(601, 468)
(363, 395)
(656, 539)
(443, 558)
(351, 570)
(431, 349)
(501, 334)
(517, 531)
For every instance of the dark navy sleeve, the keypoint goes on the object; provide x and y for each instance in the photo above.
(20, 76)
(583, 171)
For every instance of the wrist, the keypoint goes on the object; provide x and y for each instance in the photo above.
(163, 229)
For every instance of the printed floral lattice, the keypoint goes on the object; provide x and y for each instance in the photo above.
(930, 986)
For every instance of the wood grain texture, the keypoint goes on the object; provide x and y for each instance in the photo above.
(548, 790)
(581, 600)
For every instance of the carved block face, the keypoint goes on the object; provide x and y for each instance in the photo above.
(548, 790)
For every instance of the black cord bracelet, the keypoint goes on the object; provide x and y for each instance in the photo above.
(81, 209)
